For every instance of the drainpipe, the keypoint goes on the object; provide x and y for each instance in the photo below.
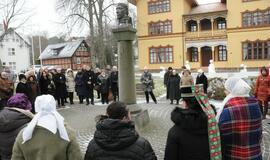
(184, 43)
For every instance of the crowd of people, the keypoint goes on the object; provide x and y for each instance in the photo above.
(63, 85)
(31, 127)
(174, 81)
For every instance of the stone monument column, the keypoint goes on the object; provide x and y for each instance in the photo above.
(125, 36)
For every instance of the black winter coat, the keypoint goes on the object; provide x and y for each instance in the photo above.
(11, 122)
(96, 76)
(43, 84)
(89, 83)
(103, 83)
(113, 80)
(24, 88)
(188, 138)
(166, 78)
(174, 88)
(79, 84)
(60, 85)
(202, 79)
(118, 140)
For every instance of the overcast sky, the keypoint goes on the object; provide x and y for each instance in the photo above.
(46, 19)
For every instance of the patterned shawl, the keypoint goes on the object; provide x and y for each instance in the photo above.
(213, 130)
(241, 129)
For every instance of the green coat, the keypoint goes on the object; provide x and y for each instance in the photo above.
(44, 145)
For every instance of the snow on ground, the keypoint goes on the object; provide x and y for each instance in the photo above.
(220, 74)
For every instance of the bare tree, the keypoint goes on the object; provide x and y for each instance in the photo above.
(92, 13)
(14, 13)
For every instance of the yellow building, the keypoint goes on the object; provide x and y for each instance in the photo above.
(232, 32)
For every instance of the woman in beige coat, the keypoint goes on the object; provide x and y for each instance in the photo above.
(70, 83)
(186, 79)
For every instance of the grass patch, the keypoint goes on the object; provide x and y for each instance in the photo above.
(159, 87)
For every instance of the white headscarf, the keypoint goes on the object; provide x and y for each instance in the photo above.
(46, 117)
(236, 88)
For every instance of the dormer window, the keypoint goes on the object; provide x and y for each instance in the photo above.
(56, 51)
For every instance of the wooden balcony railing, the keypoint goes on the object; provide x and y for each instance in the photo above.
(191, 34)
(222, 32)
(205, 33)
(209, 33)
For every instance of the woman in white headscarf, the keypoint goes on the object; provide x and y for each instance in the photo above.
(46, 137)
(240, 122)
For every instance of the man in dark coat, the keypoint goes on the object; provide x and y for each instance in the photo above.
(89, 83)
(59, 80)
(116, 138)
(113, 78)
(166, 78)
(173, 87)
(202, 79)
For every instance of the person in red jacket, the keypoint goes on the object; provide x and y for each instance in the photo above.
(262, 90)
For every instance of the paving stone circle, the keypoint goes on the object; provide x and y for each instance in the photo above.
(82, 119)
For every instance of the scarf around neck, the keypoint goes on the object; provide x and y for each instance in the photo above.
(213, 130)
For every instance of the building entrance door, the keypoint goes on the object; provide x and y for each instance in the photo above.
(206, 54)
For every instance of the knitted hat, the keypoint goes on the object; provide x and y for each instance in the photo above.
(213, 130)
(19, 100)
(186, 92)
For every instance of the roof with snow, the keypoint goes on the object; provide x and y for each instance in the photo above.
(61, 50)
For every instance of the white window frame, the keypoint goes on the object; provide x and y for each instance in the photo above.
(78, 60)
(11, 52)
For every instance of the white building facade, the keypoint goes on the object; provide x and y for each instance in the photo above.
(14, 51)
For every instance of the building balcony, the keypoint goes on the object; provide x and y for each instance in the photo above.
(206, 34)
(209, 27)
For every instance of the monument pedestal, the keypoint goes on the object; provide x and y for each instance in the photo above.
(125, 36)
(139, 116)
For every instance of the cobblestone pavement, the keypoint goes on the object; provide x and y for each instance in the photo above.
(81, 118)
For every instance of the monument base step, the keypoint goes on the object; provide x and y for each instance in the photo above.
(139, 116)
